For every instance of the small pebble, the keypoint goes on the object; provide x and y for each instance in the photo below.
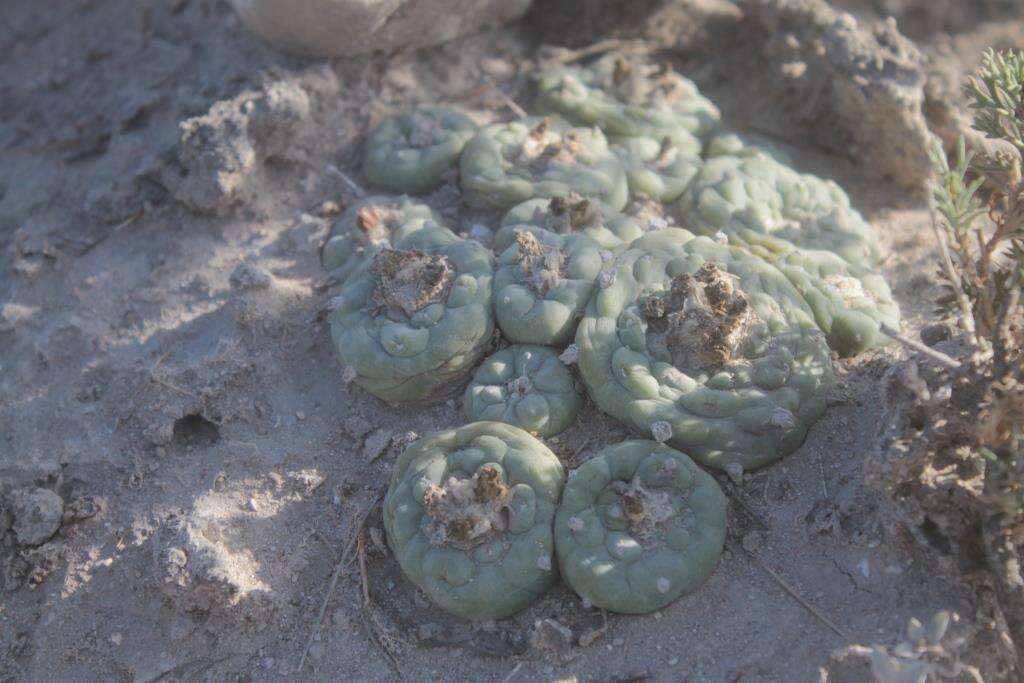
(735, 472)
(376, 443)
(248, 276)
(661, 431)
(618, 642)
(570, 355)
(348, 374)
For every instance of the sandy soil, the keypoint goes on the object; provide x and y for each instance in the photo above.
(163, 354)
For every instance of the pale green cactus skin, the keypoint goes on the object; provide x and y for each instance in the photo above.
(526, 386)
(751, 411)
(756, 199)
(505, 573)
(850, 304)
(611, 232)
(605, 563)
(412, 151)
(423, 358)
(745, 145)
(549, 315)
(656, 170)
(349, 244)
(495, 174)
(594, 96)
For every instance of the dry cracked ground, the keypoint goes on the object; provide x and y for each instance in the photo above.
(189, 489)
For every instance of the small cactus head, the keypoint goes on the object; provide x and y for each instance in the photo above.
(409, 280)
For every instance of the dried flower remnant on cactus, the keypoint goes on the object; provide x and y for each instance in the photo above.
(411, 280)
(568, 215)
(542, 264)
(466, 512)
(701, 320)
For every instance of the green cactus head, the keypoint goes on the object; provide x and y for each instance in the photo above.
(639, 526)
(412, 152)
(758, 201)
(412, 321)
(469, 517)
(706, 347)
(527, 386)
(542, 284)
(571, 214)
(369, 224)
(627, 96)
(508, 163)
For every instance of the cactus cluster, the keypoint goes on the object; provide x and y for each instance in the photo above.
(714, 342)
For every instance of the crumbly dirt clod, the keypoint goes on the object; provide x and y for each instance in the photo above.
(410, 280)
(466, 512)
(542, 264)
(701, 320)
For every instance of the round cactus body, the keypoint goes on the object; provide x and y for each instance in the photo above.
(370, 224)
(568, 215)
(706, 347)
(508, 163)
(756, 200)
(849, 303)
(411, 152)
(527, 386)
(639, 526)
(542, 284)
(660, 170)
(413, 320)
(469, 516)
(625, 96)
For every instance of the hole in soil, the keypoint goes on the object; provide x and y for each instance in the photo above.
(195, 430)
(933, 534)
